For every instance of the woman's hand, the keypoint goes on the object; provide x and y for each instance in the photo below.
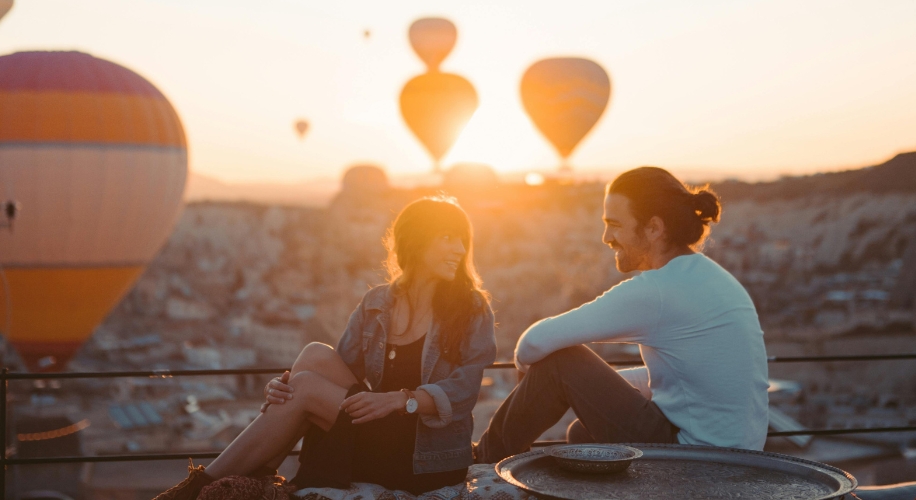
(277, 391)
(368, 406)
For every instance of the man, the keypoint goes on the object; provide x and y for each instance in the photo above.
(705, 379)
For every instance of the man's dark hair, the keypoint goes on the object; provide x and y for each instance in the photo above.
(686, 212)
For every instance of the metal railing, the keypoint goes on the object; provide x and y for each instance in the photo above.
(6, 376)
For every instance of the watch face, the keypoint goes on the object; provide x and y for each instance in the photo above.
(412, 405)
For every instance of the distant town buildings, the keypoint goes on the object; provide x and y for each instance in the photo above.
(242, 285)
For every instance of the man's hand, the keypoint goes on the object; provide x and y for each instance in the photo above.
(277, 391)
(368, 406)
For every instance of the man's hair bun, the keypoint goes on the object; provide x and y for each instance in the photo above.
(707, 205)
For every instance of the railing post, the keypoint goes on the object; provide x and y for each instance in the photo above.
(3, 392)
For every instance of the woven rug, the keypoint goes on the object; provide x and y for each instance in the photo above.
(482, 483)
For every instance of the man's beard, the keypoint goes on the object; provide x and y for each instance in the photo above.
(630, 259)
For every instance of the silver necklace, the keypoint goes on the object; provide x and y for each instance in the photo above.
(393, 352)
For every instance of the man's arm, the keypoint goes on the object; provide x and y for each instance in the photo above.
(625, 313)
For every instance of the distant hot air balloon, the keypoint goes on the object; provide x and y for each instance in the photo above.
(432, 38)
(302, 127)
(436, 107)
(564, 98)
(5, 6)
(97, 158)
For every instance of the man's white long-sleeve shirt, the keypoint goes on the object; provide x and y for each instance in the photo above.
(700, 339)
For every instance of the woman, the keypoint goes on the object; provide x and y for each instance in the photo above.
(420, 342)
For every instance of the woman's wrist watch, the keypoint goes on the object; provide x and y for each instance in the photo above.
(411, 406)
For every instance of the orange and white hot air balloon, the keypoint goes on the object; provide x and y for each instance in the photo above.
(301, 126)
(432, 38)
(5, 6)
(97, 159)
(565, 97)
(436, 107)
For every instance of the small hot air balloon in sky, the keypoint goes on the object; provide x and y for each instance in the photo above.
(97, 159)
(5, 6)
(436, 105)
(565, 97)
(301, 127)
(432, 38)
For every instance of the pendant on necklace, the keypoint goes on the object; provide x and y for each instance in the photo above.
(391, 354)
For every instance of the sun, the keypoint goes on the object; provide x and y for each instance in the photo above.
(500, 135)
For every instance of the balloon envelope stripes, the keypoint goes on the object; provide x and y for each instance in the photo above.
(96, 157)
(565, 97)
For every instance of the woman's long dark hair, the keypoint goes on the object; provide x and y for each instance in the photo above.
(455, 303)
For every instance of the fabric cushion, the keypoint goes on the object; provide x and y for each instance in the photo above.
(482, 483)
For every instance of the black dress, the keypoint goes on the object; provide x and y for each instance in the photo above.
(380, 451)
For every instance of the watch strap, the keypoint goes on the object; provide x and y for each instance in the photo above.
(409, 397)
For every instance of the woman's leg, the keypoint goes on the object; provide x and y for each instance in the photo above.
(323, 360)
(270, 433)
(316, 398)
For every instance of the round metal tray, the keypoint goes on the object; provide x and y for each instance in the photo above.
(683, 471)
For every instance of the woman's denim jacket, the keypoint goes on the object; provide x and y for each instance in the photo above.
(444, 439)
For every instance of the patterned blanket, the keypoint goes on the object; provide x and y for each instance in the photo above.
(482, 483)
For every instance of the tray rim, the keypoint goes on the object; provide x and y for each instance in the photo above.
(502, 471)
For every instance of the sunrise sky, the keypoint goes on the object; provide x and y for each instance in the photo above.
(748, 89)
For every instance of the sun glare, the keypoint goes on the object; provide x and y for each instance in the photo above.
(501, 136)
(534, 179)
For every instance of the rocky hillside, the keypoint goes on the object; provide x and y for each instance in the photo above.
(897, 175)
(814, 252)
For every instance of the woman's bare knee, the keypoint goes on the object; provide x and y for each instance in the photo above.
(317, 396)
(312, 356)
(324, 360)
(303, 381)
(306, 388)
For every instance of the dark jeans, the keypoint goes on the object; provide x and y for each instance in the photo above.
(609, 408)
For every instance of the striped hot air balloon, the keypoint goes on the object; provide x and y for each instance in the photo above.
(432, 38)
(436, 107)
(5, 6)
(96, 157)
(564, 97)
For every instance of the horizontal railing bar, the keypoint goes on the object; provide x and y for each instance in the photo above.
(834, 432)
(497, 366)
(116, 458)
(141, 373)
(214, 454)
(864, 357)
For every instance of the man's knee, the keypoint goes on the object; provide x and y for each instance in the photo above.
(569, 357)
(576, 433)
